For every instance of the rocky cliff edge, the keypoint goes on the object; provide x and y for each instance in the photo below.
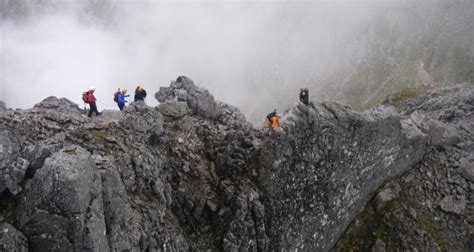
(193, 174)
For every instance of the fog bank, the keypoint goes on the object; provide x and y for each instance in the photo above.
(255, 56)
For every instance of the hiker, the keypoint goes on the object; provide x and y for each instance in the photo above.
(273, 120)
(140, 94)
(90, 99)
(304, 96)
(119, 98)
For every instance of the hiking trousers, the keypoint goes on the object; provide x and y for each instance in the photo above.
(93, 109)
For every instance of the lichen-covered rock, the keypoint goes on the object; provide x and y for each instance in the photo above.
(173, 109)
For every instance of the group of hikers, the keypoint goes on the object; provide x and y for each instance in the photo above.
(119, 97)
(273, 119)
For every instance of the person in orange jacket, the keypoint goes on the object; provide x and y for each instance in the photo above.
(273, 120)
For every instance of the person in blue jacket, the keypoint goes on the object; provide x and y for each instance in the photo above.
(119, 98)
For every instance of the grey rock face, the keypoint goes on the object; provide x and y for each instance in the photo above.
(12, 239)
(12, 167)
(173, 109)
(466, 166)
(325, 166)
(183, 92)
(451, 205)
(434, 209)
(193, 174)
(3, 106)
(386, 196)
(379, 246)
(115, 208)
(63, 208)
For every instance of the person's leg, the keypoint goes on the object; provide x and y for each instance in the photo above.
(94, 109)
(90, 111)
(121, 105)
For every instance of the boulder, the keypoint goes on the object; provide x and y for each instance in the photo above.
(173, 109)
(62, 105)
(379, 246)
(450, 204)
(202, 103)
(466, 167)
(387, 195)
(63, 208)
(198, 100)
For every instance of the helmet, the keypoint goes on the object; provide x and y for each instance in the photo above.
(124, 90)
(92, 88)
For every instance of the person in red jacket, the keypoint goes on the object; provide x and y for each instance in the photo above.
(91, 100)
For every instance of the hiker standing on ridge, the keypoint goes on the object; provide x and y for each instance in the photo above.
(119, 98)
(90, 99)
(304, 96)
(140, 94)
(273, 120)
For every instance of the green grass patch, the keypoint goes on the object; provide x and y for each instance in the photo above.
(432, 231)
(71, 152)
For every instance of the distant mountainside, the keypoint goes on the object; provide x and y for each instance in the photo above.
(427, 43)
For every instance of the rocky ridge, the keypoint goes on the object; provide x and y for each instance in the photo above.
(431, 207)
(193, 174)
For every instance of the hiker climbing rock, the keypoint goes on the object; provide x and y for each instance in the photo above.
(304, 96)
(119, 98)
(89, 98)
(140, 94)
(273, 120)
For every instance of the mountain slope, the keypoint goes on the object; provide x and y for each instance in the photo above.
(193, 174)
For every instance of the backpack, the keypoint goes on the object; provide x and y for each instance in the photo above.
(116, 97)
(272, 114)
(84, 97)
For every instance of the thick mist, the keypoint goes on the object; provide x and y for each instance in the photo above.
(254, 56)
(244, 53)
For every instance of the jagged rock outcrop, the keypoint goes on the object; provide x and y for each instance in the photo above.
(193, 174)
(12, 239)
(183, 96)
(434, 208)
(3, 106)
(325, 167)
(63, 207)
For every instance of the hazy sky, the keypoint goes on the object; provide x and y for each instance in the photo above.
(246, 53)
(239, 50)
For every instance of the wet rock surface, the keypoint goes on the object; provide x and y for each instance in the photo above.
(193, 174)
